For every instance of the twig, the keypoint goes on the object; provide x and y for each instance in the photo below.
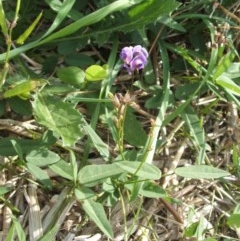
(172, 211)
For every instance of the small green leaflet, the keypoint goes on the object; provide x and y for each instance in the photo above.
(71, 75)
(96, 73)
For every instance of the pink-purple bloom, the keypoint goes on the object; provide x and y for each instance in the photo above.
(134, 58)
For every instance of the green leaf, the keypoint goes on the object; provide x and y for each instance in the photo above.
(168, 21)
(149, 11)
(201, 171)
(184, 91)
(10, 233)
(96, 212)
(152, 190)
(22, 88)
(51, 233)
(226, 83)
(71, 75)
(233, 70)
(191, 230)
(42, 157)
(73, 27)
(134, 133)
(3, 22)
(83, 193)
(197, 229)
(7, 149)
(62, 10)
(68, 47)
(4, 190)
(91, 175)
(196, 131)
(59, 89)
(63, 169)
(223, 64)
(95, 73)
(188, 55)
(234, 220)
(147, 189)
(58, 116)
(20, 106)
(90, 19)
(97, 141)
(17, 148)
(145, 170)
(39, 174)
(21, 39)
(79, 59)
(74, 166)
(20, 232)
(16, 226)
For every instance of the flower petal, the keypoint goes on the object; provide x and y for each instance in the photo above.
(138, 49)
(126, 54)
(138, 62)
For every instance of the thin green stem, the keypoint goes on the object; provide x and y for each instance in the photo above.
(9, 44)
(124, 215)
(121, 120)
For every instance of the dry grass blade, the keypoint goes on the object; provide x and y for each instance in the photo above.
(35, 224)
(4, 210)
(57, 214)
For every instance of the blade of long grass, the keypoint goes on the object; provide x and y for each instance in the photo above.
(153, 137)
(73, 27)
(62, 13)
(114, 70)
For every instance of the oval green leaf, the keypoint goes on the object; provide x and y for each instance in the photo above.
(145, 170)
(201, 171)
(91, 175)
(71, 75)
(42, 157)
(95, 73)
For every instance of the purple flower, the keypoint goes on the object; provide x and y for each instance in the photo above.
(134, 58)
